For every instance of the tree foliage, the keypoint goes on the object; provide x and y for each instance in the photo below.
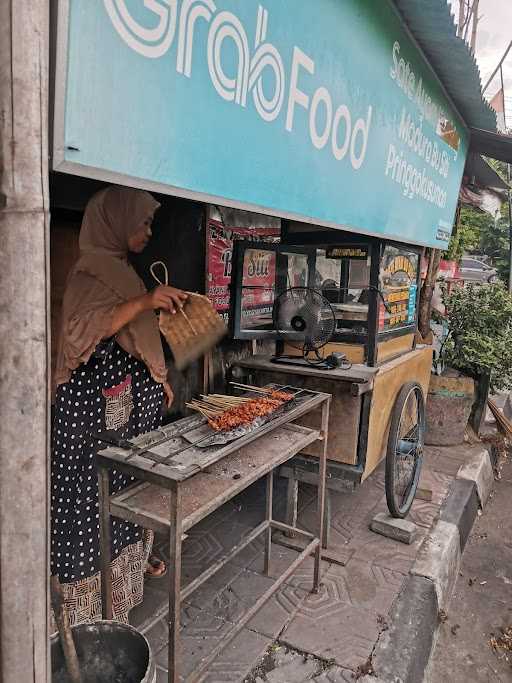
(479, 233)
(495, 242)
(466, 236)
(479, 325)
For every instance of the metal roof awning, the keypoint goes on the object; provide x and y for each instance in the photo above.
(494, 145)
(432, 24)
(480, 173)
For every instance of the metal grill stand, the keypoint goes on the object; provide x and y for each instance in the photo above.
(182, 484)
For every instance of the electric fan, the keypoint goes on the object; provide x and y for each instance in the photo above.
(305, 320)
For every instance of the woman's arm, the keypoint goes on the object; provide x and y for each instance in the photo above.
(163, 297)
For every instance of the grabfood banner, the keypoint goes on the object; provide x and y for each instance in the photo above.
(322, 111)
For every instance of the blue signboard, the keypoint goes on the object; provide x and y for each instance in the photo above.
(322, 111)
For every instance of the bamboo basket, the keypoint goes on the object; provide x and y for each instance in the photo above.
(192, 330)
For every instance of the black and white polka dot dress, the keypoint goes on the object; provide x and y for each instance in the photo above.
(113, 391)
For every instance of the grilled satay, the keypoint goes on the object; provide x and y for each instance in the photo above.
(246, 413)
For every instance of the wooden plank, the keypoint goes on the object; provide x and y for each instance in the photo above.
(24, 342)
(357, 373)
(391, 348)
(345, 410)
(355, 353)
(209, 489)
(145, 469)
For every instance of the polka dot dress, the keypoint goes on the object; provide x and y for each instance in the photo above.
(112, 391)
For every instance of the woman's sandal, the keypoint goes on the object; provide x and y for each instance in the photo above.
(155, 563)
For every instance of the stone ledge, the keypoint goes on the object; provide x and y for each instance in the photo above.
(478, 469)
(461, 508)
(439, 559)
(402, 652)
(398, 529)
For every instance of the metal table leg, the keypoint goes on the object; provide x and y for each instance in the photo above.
(321, 493)
(175, 536)
(268, 533)
(105, 544)
(327, 520)
(292, 501)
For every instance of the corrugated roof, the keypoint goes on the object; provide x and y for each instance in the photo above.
(432, 24)
(493, 145)
(482, 174)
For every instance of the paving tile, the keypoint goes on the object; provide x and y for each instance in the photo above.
(291, 666)
(232, 603)
(277, 612)
(446, 460)
(438, 482)
(281, 559)
(331, 629)
(154, 603)
(198, 638)
(161, 675)
(158, 635)
(384, 552)
(365, 585)
(423, 513)
(238, 659)
(339, 534)
(247, 556)
(204, 633)
(444, 465)
(157, 630)
(335, 674)
(206, 593)
(358, 502)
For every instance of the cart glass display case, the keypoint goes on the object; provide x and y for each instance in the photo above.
(371, 286)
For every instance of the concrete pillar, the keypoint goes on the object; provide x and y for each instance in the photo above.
(24, 340)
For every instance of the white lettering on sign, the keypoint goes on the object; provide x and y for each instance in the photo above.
(153, 42)
(326, 121)
(414, 135)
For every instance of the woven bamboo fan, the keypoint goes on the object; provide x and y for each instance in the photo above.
(192, 330)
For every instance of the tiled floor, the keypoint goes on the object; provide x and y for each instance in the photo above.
(341, 624)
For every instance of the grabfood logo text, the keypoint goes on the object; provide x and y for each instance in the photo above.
(259, 74)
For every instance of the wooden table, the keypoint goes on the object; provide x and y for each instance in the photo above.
(181, 484)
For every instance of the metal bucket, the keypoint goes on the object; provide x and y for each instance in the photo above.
(108, 652)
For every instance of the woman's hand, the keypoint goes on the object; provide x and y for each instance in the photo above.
(166, 298)
(169, 395)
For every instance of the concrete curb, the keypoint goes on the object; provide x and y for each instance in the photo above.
(403, 651)
(439, 560)
(478, 469)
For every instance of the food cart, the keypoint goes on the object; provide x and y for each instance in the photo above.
(378, 406)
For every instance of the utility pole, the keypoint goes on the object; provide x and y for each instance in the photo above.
(24, 341)
(474, 12)
(462, 17)
(468, 17)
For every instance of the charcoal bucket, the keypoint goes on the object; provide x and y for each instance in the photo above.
(108, 652)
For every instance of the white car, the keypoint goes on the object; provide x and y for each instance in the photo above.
(473, 270)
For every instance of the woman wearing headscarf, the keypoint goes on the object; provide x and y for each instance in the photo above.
(110, 376)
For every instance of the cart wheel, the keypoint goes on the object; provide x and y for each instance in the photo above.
(405, 449)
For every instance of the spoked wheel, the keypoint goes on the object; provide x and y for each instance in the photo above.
(405, 449)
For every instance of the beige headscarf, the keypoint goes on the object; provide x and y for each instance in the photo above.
(102, 279)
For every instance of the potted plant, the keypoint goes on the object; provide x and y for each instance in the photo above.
(475, 357)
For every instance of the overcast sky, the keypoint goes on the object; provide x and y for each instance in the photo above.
(494, 34)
